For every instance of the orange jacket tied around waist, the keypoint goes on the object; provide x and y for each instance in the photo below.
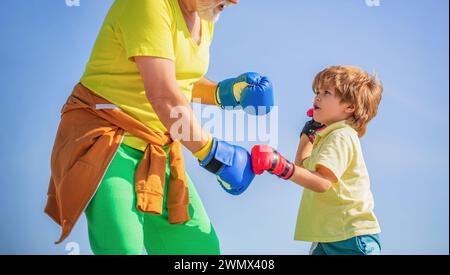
(89, 134)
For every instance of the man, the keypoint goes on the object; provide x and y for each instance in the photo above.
(115, 157)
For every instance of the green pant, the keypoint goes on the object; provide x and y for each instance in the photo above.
(116, 227)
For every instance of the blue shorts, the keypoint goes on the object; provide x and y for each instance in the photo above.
(359, 245)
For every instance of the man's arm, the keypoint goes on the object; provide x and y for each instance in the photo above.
(163, 93)
(230, 163)
(247, 90)
(205, 90)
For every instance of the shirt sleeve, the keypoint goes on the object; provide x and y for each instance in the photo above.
(145, 29)
(335, 154)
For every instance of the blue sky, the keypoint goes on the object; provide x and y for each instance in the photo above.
(46, 44)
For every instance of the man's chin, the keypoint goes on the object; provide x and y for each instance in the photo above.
(216, 18)
(210, 17)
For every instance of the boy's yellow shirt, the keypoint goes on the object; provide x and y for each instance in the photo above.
(144, 28)
(346, 209)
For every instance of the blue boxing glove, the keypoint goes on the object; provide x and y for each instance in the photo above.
(232, 166)
(247, 90)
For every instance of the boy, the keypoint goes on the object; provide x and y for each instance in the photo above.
(336, 212)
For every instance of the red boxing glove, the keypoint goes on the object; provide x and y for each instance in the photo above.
(312, 127)
(265, 158)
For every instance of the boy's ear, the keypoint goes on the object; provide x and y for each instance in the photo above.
(350, 109)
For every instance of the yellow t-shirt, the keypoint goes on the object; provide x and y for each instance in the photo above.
(144, 28)
(346, 209)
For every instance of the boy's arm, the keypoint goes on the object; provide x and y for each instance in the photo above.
(303, 151)
(319, 181)
(265, 158)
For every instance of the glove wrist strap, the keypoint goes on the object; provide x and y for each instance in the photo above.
(277, 163)
(225, 95)
(213, 166)
(210, 163)
(217, 97)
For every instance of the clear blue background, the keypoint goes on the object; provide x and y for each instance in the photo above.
(45, 45)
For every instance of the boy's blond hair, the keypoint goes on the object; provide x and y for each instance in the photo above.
(355, 86)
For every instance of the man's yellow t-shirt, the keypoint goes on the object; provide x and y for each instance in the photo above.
(144, 28)
(346, 209)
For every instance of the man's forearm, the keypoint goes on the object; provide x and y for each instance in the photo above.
(174, 108)
(205, 91)
(169, 103)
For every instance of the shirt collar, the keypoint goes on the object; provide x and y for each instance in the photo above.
(332, 127)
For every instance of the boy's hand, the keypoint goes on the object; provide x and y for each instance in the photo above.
(312, 127)
(265, 158)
